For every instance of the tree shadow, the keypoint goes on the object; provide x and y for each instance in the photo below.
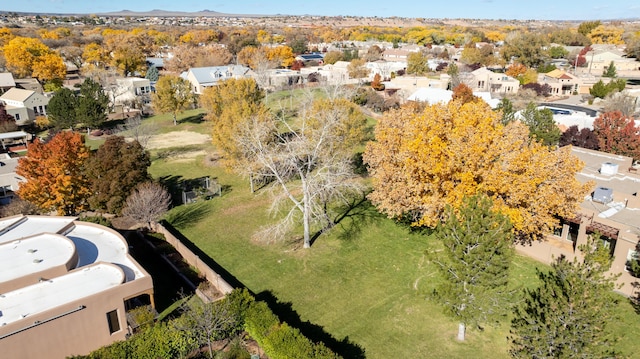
(344, 347)
(188, 214)
(352, 218)
(195, 119)
(204, 257)
(635, 298)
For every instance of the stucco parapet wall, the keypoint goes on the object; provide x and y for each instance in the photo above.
(51, 293)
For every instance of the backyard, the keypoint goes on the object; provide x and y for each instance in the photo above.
(363, 288)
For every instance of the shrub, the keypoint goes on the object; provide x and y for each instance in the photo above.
(279, 340)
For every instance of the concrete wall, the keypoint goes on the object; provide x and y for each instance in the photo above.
(209, 274)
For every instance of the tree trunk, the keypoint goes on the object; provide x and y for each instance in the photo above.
(461, 330)
(305, 220)
(209, 347)
(175, 120)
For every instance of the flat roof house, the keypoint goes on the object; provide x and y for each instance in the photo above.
(65, 286)
(611, 210)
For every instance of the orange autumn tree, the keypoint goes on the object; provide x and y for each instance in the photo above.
(54, 173)
(421, 162)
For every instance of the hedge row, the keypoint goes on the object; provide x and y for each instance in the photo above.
(279, 340)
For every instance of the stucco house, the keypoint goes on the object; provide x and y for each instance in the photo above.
(203, 77)
(131, 91)
(611, 210)
(485, 80)
(560, 82)
(599, 59)
(65, 287)
(24, 105)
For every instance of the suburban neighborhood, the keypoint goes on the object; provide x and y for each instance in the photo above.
(184, 184)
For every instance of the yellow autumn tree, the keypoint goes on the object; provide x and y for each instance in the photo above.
(422, 161)
(282, 55)
(229, 104)
(30, 57)
(94, 55)
(606, 35)
(5, 36)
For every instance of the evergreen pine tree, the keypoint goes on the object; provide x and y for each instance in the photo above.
(474, 263)
(152, 74)
(567, 315)
(92, 104)
(610, 71)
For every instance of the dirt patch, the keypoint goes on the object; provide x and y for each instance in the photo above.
(177, 139)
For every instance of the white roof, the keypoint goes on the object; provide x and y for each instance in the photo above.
(32, 255)
(16, 94)
(51, 293)
(33, 244)
(436, 95)
(6, 80)
(12, 135)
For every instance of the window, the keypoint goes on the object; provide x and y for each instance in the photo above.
(113, 321)
(35, 109)
(40, 110)
(17, 116)
(632, 255)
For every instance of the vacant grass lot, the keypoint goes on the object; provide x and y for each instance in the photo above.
(362, 287)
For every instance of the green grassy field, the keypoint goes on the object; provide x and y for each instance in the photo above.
(363, 286)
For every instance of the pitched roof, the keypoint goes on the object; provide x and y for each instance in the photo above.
(16, 94)
(208, 74)
(6, 80)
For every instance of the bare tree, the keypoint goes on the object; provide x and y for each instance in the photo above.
(207, 322)
(620, 101)
(147, 202)
(139, 130)
(310, 165)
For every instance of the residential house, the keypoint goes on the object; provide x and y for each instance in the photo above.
(6, 82)
(65, 287)
(315, 58)
(24, 105)
(599, 59)
(336, 74)
(134, 92)
(384, 68)
(560, 82)
(396, 55)
(277, 78)
(611, 210)
(203, 77)
(485, 80)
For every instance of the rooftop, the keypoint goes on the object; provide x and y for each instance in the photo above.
(96, 258)
(51, 293)
(625, 207)
(16, 94)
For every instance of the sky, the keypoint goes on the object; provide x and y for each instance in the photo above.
(469, 9)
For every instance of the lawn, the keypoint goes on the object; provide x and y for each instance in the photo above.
(364, 286)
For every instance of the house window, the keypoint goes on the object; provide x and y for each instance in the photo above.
(480, 83)
(631, 256)
(35, 109)
(40, 110)
(17, 116)
(113, 321)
